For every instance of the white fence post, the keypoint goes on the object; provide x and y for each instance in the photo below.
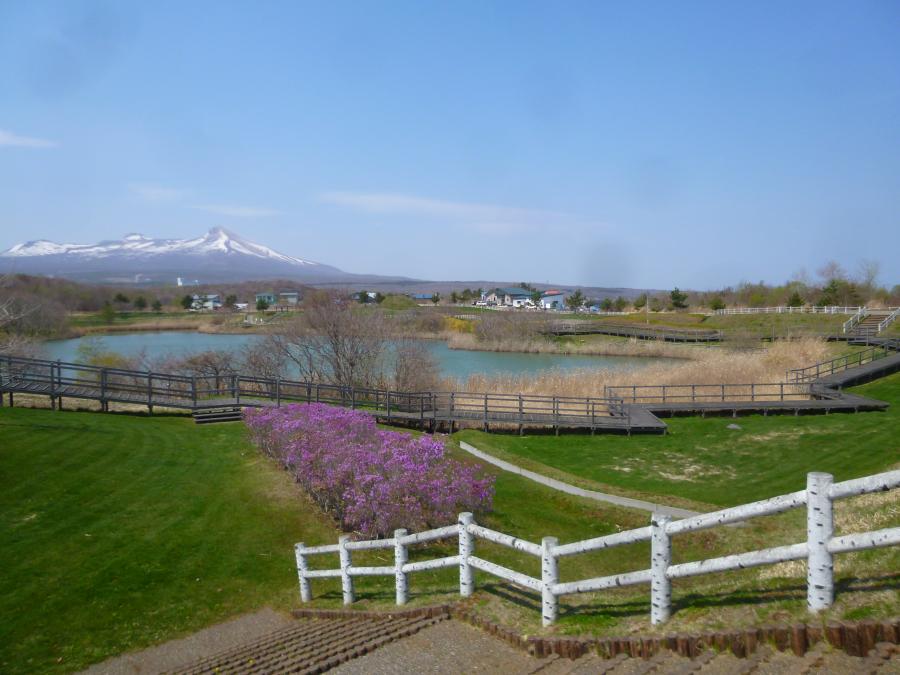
(302, 569)
(466, 548)
(819, 530)
(549, 576)
(401, 556)
(346, 579)
(660, 559)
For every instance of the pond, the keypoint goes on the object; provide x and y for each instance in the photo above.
(453, 363)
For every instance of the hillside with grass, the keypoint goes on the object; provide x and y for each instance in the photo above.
(122, 531)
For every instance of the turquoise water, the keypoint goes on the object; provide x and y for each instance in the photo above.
(453, 363)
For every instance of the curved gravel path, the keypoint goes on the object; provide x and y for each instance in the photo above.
(554, 484)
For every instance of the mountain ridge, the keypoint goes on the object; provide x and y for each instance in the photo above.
(217, 255)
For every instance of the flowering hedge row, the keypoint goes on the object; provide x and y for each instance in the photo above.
(373, 481)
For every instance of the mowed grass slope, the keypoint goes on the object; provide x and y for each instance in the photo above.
(704, 461)
(121, 531)
(118, 532)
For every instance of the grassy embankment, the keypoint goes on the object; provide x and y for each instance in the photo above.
(123, 531)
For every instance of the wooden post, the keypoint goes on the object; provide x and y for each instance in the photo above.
(401, 557)
(485, 412)
(302, 569)
(521, 416)
(819, 530)
(549, 576)
(346, 562)
(660, 559)
(59, 383)
(149, 392)
(278, 392)
(389, 405)
(52, 388)
(194, 390)
(466, 548)
(237, 389)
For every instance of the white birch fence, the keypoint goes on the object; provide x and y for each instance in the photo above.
(819, 549)
(806, 309)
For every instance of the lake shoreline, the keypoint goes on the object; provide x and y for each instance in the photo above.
(455, 363)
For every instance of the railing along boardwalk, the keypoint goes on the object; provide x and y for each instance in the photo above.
(819, 549)
(665, 334)
(841, 363)
(59, 380)
(713, 393)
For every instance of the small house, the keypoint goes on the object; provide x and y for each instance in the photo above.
(267, 297)
(205, 302)
(510, 297)
(288, 298)
(553, 299)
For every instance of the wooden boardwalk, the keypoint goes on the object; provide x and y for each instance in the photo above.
(59, 381)
(590, 327)
(622, 409)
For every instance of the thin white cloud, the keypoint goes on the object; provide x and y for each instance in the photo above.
(153, 192)
(485, 218)
(234, 211)
(10, 140)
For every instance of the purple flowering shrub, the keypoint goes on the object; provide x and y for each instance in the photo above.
(373, 481)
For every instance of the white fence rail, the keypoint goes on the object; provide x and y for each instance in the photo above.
(830, 309)
(819, 548)
(889, 319)
(854, 320)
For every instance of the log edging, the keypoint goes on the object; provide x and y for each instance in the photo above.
(856, 638)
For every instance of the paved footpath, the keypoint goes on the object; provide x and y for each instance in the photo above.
(627, 502)
(269, 642)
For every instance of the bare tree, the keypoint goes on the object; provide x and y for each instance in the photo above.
(868, 273)
(415, 368)
(831, 271)
(13, 311)
(335, 340)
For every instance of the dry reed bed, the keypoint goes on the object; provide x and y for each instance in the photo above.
(631, 347)
(709, 366)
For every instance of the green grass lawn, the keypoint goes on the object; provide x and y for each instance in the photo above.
(120, 531)
(703, 461)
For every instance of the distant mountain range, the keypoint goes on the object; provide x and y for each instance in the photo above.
(219, 255)
(216, 257)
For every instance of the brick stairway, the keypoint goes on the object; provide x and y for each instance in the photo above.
(314, 645)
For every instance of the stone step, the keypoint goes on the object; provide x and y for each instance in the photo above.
(312, 646)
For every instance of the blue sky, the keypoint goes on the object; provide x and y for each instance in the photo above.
(638, 144)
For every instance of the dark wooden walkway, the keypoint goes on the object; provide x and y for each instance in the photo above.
(628, 409)
(590, 327)
(60, 381)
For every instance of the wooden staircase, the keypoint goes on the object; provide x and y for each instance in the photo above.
(868, 325)
(213, 415)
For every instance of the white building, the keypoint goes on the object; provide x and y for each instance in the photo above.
(553, 299)
(208, 302)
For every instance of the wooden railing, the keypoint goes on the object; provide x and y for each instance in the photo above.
(711, 393)
(818, 550)
(58, 380)
(842, 363)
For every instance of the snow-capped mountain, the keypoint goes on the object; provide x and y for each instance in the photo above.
(217, 255)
